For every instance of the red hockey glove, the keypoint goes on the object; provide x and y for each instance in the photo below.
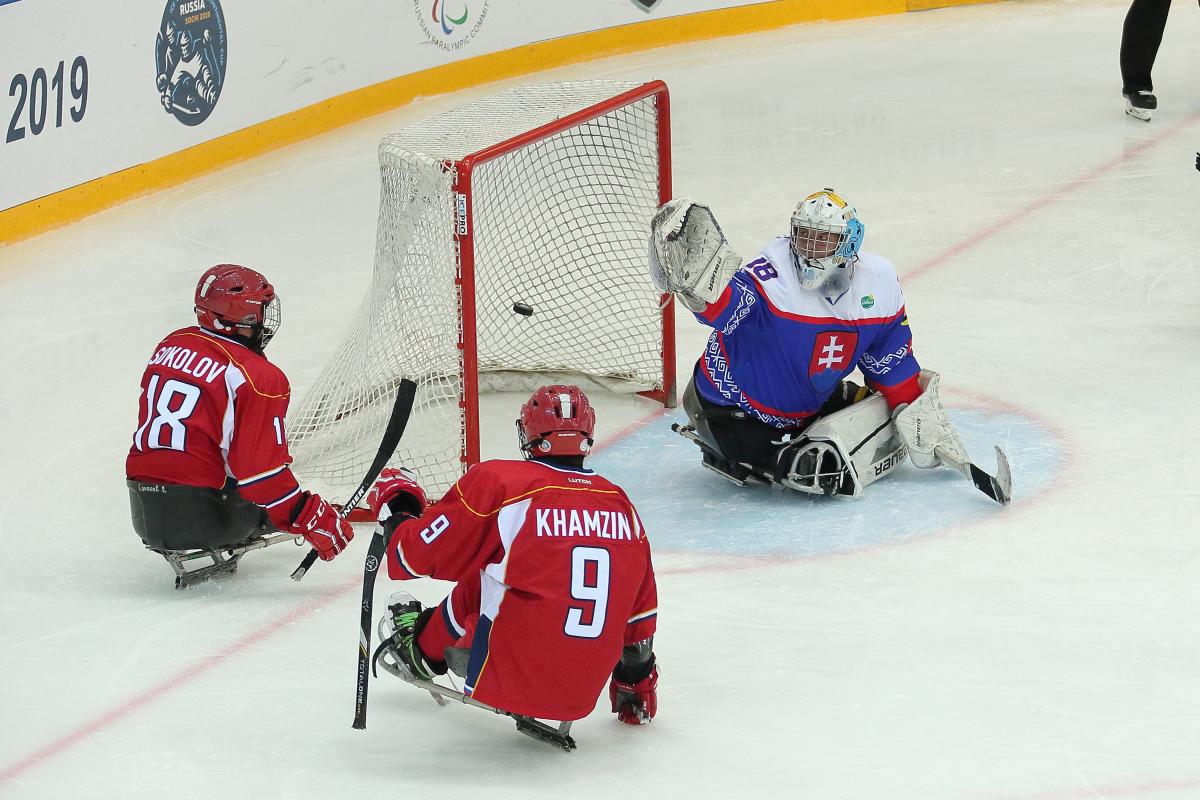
(321, 527)
(635, 703)
(396, 492)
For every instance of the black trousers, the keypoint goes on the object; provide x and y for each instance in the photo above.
(168, 517)
(1140, 38)
(738, 437)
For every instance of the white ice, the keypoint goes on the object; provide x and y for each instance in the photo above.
(921, 643)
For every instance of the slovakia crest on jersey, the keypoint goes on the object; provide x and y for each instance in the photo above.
(831, 358)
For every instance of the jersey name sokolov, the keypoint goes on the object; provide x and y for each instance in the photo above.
(576, 522)
(184, 360)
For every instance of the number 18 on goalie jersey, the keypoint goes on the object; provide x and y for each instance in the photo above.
(554, 577)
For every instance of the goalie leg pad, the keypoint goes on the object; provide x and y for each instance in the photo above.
(810, 467)
(844, 452)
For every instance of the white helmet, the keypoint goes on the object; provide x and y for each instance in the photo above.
(826, 236)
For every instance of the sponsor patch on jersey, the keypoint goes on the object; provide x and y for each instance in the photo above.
(867, 301)
(831, 358)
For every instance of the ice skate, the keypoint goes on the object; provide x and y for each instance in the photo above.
(1140, 105)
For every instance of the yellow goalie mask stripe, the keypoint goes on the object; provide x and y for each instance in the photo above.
(832, 195)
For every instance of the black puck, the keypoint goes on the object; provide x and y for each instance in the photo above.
(523, 309)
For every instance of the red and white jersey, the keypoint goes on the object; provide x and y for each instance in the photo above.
(564, 574)
(211, 409)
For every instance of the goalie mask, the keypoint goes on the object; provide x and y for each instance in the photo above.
(556, 421)
(237, 301)
(826, 236)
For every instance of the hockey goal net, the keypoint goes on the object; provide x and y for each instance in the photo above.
(510, 253)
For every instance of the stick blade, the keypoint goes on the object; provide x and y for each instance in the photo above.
(308, 561)
(999, 488)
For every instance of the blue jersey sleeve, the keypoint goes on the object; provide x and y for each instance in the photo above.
(740, 300)
(888, 360)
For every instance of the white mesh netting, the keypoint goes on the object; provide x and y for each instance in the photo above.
(559, 226)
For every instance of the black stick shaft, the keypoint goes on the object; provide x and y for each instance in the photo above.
(401, 410)
(309, 560)
(370, 571)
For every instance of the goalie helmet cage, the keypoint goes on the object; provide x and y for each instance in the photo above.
(510, 253)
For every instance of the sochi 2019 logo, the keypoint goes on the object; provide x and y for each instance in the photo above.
(190, 56)
(450, 28)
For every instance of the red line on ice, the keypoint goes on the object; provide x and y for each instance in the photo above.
(1048, 199)
(164, 687)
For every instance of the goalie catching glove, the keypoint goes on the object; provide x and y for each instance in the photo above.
(689, 255)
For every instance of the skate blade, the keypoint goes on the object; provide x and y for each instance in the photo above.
(195, 577)
(723, 474)
(560, 737)
(1143, 114)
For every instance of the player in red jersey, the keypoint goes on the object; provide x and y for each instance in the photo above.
(555, 589)
(209, 466)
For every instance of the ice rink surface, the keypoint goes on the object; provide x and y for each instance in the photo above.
(919, 643)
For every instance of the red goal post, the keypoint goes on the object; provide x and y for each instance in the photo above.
(510, 253)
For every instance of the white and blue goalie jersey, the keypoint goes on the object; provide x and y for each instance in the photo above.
(779, 351)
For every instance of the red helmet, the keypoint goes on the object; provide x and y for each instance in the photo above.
(237, 300)
(556, 421)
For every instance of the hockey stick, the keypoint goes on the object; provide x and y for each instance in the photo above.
(370, 571)
(999, 488)
(405, 397)
(559, 737)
